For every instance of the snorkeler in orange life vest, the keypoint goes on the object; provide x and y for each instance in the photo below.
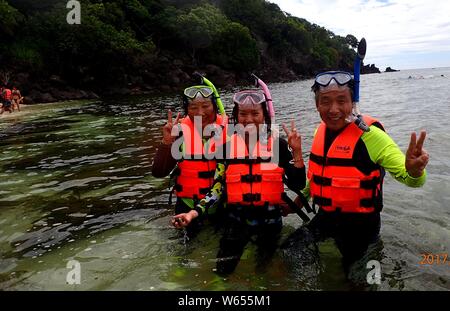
(194, 166)
(346, 169)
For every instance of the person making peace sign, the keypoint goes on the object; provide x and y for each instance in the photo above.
(194, 172)
(346, 170)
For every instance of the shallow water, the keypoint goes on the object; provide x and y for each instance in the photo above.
(75, 183)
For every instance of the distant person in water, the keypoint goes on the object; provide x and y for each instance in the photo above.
(16, 99)
(346, 170)
(6, 100)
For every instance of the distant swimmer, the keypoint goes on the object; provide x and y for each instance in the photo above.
(16, 99)
(5, 99)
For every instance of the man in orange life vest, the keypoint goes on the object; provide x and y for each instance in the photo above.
(346, 169)
(194, 170)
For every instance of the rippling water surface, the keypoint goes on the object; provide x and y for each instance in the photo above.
(75, 183)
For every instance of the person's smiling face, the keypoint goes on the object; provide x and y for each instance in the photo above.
(334, 107)
(202, 107)
(251, 117)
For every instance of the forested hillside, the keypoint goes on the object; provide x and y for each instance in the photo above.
(124, 46)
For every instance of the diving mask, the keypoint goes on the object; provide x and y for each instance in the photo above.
(249, 98)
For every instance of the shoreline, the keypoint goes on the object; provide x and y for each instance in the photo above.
(59, 93)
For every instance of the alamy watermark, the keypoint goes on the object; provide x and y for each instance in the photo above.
(73, 277)
(374, 275)
(267, 149)
(74, 15)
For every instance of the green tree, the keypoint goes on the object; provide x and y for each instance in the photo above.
(235, 49)
(352, 41)
(9, 20)
(199, 26)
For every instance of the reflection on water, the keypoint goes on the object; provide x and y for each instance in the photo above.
(75, 183)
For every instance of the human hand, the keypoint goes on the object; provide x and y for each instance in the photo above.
(294, 138)
(167, 128)
(184, 219)
(295, 142)
(416, 157)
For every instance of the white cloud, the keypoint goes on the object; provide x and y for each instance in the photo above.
(391, 27)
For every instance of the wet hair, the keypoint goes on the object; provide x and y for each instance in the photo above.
(267, 119)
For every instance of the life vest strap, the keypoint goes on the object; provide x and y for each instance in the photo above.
(324, 181)
(370, 184)
(364, 184)
(207, 174)
(251, 178)
(368, 203)
(331, 161)
(251, 197)
(179, 188)
(295, 208)
(321, 201)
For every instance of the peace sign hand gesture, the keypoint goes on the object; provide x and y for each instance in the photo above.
(294, 138)
(167, 128)
(416, 157)
(295, 142)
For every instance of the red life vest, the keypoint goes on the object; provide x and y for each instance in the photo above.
(195, 172)
(335, 181)
(255, 180)
(7, 94)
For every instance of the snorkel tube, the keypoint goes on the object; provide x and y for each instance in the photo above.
(362, 48)
(260, 83)
(206, 82)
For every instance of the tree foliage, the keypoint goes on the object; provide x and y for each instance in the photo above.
(117, 38)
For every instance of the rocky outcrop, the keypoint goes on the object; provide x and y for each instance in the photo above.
(389, 69)
(367, 69)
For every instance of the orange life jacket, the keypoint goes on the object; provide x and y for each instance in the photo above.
(335, 182)
(253, 180)
(7, 94)
(195, 172)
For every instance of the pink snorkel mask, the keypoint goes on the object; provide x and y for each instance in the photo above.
(260, 83)
(249, 98)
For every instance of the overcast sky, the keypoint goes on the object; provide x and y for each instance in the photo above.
(402, 34)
